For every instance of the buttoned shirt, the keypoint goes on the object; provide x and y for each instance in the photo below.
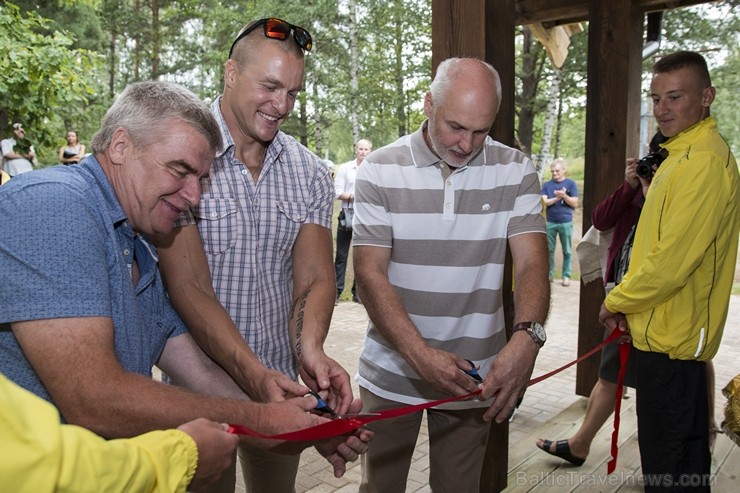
(66, 251)
(249, 230)
(344, 182)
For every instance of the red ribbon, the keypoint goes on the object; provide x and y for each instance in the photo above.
(343, 426)
(624, 354)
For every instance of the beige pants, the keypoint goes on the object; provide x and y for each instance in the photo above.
(457, 444)
(263, 472)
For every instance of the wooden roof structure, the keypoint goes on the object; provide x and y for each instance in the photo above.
(486, 29)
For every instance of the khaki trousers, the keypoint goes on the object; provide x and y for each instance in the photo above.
(457, 444)
(263, 472)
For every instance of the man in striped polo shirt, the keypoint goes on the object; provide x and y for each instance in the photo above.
(434, 213)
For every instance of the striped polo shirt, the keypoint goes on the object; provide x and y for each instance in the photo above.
(448, 238)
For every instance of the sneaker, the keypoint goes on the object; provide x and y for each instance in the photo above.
(566, 281)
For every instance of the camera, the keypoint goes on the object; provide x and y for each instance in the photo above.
(644, 167)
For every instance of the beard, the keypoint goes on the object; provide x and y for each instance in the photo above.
(453, 156)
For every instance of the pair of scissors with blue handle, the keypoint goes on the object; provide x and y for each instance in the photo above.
(473, 372)
(323, 407)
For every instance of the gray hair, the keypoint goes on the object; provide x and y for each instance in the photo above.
(452, 68)
(559, 162)
(145, 108)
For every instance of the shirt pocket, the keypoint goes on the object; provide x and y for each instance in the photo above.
(218, 222)
(289, 217)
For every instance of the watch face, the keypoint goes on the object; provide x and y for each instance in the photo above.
(539, 331)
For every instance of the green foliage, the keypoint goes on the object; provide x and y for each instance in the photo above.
(64, 72)
(42, 78)
(22, 146)
(76, 17)
(725, 108)
(713, 30)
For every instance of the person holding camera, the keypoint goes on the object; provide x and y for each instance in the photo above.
(344, 188)
(675, 296)
(618, 214)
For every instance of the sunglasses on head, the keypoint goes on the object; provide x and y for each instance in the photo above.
(277, 29)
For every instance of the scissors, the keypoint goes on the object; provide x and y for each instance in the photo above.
(323, 407)
(473, 372)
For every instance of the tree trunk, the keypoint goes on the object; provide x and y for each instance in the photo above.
(544, 157)
(137, 42)
(318, 128)
(154, 54)
(559, 124)
(303, 117)
(112, 65)
(529, 92)
(354, 83)
(398, 49)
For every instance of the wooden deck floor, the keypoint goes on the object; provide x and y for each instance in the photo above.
(531, 470)
(549, 410)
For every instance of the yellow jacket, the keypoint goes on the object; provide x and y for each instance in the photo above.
(677, 289)
(38, 454)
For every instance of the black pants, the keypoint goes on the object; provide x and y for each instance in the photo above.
(344, 239)
(672, 423)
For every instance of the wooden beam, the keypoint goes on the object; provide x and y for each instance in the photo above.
(556, 40)
(500, 36)
(485, 29)
(556, 12)
(614, 56)
(458, 28)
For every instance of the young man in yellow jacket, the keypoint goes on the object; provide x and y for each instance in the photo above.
(675, 296)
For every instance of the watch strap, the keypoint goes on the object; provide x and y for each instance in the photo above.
(527, 326)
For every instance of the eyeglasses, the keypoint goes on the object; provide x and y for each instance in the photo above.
(277, 29)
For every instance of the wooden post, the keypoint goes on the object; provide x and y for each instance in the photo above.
(499, 52)
(614, 61)
(484, 29)
(458, 29)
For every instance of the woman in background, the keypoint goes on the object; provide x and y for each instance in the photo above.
(73, 151)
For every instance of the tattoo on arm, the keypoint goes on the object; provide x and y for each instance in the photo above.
(299, 307)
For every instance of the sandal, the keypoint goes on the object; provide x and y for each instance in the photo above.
(562, 450)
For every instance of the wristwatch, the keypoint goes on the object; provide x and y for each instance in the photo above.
(535, 331)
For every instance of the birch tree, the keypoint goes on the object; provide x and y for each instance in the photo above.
(544, 157)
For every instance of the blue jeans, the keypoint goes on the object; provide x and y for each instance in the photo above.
(565, 231)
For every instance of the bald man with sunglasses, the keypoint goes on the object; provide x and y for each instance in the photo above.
(258, 292)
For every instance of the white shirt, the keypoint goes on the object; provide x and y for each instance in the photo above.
(344, 182)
